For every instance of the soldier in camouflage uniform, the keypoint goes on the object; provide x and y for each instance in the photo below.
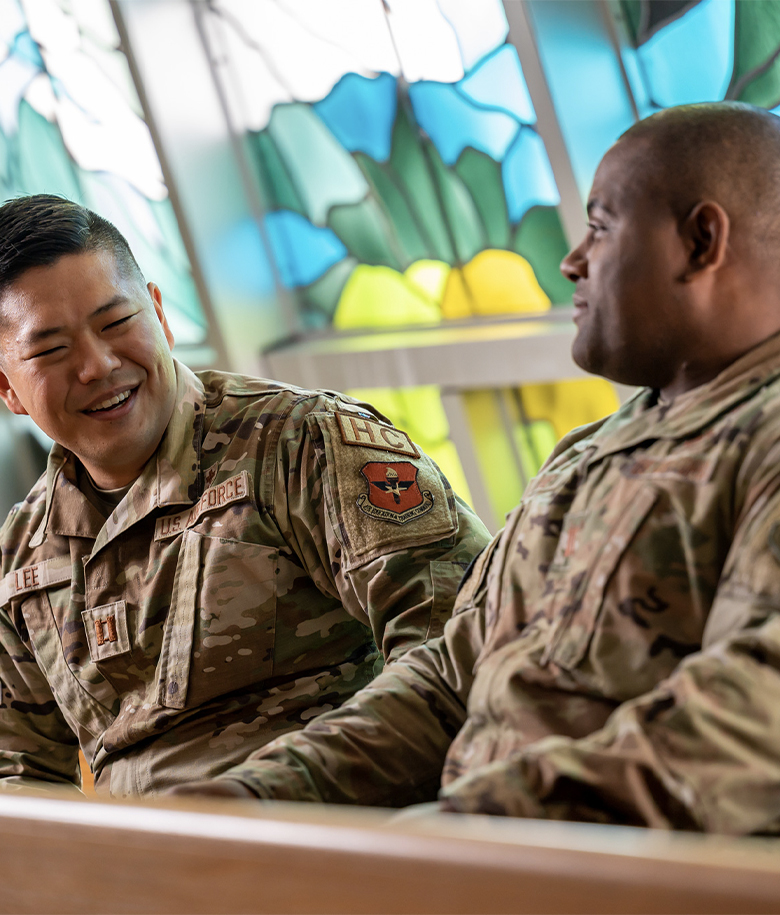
(614, 655)
(210, 560)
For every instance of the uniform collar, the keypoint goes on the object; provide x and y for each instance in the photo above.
(644, 417)
(171, 477)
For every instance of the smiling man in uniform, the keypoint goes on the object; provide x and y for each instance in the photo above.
(614, 654)
(210, 560)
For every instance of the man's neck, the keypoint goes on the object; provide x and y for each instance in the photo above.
(104, 500)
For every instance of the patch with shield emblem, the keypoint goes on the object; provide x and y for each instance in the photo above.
(393, 493)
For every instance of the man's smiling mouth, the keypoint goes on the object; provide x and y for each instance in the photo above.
(111, 403)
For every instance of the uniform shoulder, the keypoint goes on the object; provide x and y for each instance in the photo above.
(21, 523)
(221, 385)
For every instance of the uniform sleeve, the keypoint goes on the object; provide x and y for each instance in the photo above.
(701, 751)
(38, 751)
(375, 523)
(387, 745)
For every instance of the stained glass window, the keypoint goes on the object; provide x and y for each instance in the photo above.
(404, 181)
(71, 124)
(703, 50)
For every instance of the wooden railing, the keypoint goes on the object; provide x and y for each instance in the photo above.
(87, 856)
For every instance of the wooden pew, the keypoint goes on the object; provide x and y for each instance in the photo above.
(86, 856)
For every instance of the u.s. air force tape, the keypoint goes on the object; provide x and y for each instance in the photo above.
(233, 490)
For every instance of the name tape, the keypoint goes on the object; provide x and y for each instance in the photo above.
(370, 434)
(31, 578)
(233, 490)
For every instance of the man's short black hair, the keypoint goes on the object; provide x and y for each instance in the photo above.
(38, 230)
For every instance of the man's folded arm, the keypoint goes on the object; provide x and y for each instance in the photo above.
(701, 750)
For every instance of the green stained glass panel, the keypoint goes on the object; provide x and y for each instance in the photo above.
(414, 173)
(410, 243)
(463, 220)
(325, 174)
(278, 189)
(366, 233)
(482, 176)
(320, 298)
(756, 76)
(540, 240)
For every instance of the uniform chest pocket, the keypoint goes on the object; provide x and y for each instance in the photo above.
(84, 697)
(590, 548)
(219, 634)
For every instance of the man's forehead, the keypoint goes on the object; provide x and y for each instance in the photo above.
(36, 300)
(624, 176)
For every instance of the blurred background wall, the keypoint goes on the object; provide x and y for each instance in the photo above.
(366, 195)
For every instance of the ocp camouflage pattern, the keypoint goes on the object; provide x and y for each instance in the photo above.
(235, 593)
(614, 655)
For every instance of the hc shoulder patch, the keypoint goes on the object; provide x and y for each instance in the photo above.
(367, 433)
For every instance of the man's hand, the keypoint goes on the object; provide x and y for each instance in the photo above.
(210, 787)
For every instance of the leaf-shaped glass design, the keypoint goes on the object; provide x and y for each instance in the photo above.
(405, 182)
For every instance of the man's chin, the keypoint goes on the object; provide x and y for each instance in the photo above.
(584, 357)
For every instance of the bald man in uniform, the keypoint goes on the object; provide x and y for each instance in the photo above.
(614, 655)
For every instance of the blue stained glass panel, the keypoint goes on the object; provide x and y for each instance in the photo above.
(360, 113)
(691, 59)
(301, 250)
(453, 122)
(241, 270)
(498, 82)
(527, 175)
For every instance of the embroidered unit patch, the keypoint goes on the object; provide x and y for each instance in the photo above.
(393, 494)
(370, 434)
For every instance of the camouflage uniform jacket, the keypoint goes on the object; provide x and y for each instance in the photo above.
(614, 654)
(238, 590)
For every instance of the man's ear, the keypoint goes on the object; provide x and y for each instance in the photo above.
(705, 231)
(156, 297)
(8, 396)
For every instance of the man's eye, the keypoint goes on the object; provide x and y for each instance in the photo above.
(118, 322)
(47, 352)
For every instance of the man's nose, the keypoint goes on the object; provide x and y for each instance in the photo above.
(95, 359)
(575, 265)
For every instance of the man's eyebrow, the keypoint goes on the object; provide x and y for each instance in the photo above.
(38, 335)
(596, 204)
